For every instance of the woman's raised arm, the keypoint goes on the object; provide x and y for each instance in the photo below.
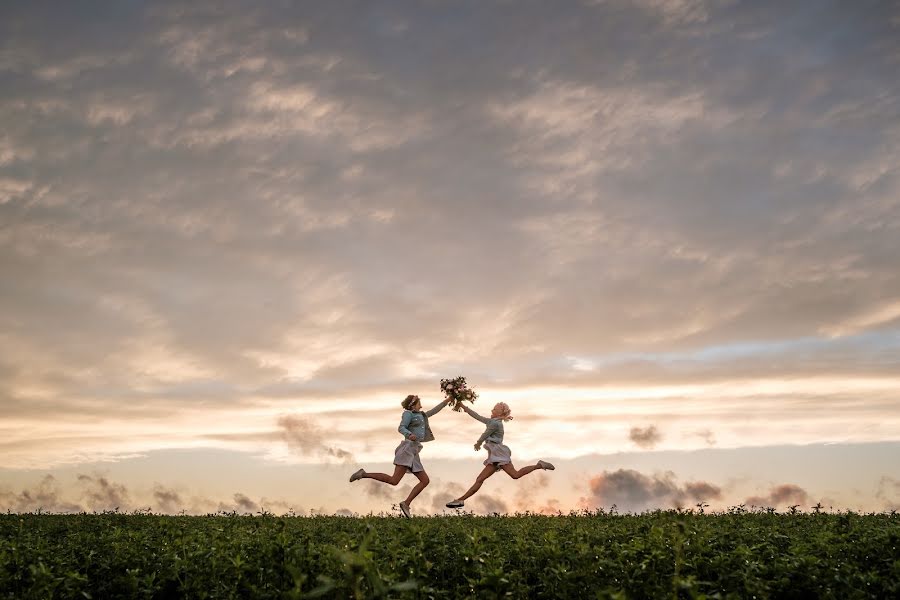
(475, 415)
(437, 409)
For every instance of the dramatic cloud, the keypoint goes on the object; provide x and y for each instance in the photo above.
(786, 494)
(632, 491)
(383, 491)
(305, 437)
(45, 496)
(646, 437)
(551, 507)
(435, 496)
(100, 493)
(217, 214)
(528, 489)
(376, 489)
(245, 504)
(486, 503)
(441, 493)
(96, 493)
(167, 500)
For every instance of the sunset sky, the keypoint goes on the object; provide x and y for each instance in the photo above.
(235, 235)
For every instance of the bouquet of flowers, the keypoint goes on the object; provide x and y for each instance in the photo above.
(457, 391)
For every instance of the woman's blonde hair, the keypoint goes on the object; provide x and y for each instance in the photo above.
(504, 411)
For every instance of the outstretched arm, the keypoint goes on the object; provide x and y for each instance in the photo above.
(404, 424)
(437, 409)
(475, 415)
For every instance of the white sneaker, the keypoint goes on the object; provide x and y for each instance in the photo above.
(404, 508)
(455, 504)
(545, 465)
(357, 476)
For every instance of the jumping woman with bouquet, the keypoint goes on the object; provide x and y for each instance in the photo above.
(499, 455)
(415, 431)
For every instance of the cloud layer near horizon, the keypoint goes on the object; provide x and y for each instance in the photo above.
(217, 218)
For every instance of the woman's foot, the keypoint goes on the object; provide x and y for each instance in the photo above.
(356, 476)
(404, 508)
(455, 504)
(545, 465)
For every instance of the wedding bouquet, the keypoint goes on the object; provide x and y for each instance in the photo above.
(457, 391)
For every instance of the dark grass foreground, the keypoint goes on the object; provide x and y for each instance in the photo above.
(655, 555)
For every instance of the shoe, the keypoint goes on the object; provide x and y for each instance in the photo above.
(356, 476)
(404, 508)
(545, 465)
(455, 504)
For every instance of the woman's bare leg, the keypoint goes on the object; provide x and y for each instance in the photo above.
(394, 479)
(515, 474)
(486, 472)
(422, 476)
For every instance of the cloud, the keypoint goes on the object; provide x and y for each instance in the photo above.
(376, 489)
(253, 207)
(101, 494)
(486, 503)
(279, 507)
(172, 502)
(382, 491)
(46, 496)
(245, 504)
(528, 489)
(646, 437)
(707, 435)
(323, 511)
(443, 492)
(701, 490)
(630, 490)
(436, 495)
(167, 500)
(551, 507)
(787, 494)
(304, 437)
(889, 492)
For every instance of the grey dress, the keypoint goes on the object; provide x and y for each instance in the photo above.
(499, 454)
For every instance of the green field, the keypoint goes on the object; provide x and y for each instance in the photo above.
(593, 555)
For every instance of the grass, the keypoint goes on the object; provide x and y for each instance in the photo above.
(664, 554)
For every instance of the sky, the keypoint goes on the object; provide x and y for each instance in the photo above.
(235, 235)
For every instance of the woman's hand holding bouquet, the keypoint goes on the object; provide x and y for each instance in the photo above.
(456, 391)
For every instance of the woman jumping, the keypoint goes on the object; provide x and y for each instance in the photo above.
(415, 430)
(499, 455)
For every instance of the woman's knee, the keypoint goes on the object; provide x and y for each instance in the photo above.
(424, 480)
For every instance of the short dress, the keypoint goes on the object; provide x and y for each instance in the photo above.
(498, 454)
(407, 455)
